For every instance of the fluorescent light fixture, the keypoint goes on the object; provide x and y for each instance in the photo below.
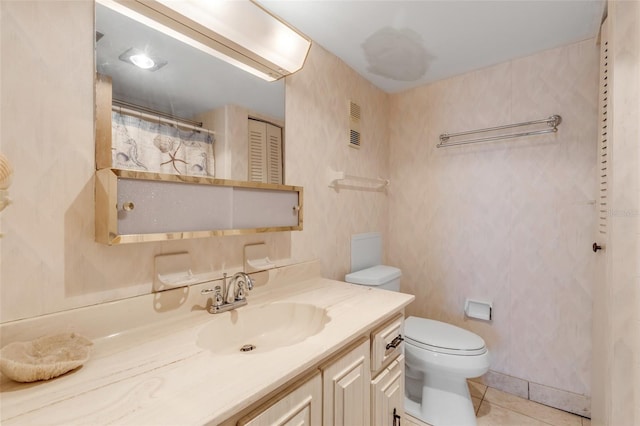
(237, 31)
(142, 60)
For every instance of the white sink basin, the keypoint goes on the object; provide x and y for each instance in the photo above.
(262, 328)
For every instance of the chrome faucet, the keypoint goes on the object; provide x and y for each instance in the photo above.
(221, 301)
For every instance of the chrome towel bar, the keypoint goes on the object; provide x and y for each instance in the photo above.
(553, 122)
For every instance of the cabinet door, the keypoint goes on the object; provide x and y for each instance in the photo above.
(346, 392)
(301, 407)
(387, 390)
(140, 207)
(165, 207)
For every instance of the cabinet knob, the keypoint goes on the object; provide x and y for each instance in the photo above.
(128, 206)
(596, 247)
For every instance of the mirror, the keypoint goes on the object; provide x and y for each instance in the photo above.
(188, 84)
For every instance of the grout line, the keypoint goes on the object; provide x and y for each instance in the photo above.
(482, 399)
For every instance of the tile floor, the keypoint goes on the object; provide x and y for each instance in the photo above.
(497, 408)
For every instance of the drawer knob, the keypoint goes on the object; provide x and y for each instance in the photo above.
(395, 342)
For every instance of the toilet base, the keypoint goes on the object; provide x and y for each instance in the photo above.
(445, 401)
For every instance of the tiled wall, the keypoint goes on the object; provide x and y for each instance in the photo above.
(50, 261)
(509, 221)
(317, 139)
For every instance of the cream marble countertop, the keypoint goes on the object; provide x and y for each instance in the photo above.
(147, 368)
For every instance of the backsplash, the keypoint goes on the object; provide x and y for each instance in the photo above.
(508, 221)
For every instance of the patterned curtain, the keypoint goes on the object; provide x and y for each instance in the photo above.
(139, 144)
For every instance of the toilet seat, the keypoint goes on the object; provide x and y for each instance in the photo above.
(441, 337)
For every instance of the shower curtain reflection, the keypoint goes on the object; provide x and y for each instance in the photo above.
(156, 146)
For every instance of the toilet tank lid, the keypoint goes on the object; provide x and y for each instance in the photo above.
(375, 275)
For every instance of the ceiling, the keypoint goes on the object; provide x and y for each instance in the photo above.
(191, 82)
(398, 45)
(394, 44)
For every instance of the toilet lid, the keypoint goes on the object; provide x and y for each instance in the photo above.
(442, 337)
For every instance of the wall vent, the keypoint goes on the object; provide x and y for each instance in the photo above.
(354, 125)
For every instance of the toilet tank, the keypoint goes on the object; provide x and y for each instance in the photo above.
(379, 276)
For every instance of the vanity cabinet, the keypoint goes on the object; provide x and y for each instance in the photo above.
(346, 394)
(362, 385)
(133, 206)
(300, 407)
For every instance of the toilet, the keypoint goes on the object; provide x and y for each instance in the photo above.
(439, 357)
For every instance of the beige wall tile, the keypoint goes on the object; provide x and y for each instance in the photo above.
(507, 221)
(50, 261)
(317, 135)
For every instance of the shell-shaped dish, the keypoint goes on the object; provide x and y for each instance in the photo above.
(44, 358)
(5, 172)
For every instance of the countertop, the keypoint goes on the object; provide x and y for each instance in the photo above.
(155, 372)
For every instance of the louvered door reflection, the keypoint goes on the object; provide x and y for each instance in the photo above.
(274, 154)
(265, 152)
(257, 151)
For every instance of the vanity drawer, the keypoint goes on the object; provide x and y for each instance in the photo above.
(386, 343)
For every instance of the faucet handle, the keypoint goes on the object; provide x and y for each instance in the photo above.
(217, 298)
(241, 290)
(240, 293)
(249, 282)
